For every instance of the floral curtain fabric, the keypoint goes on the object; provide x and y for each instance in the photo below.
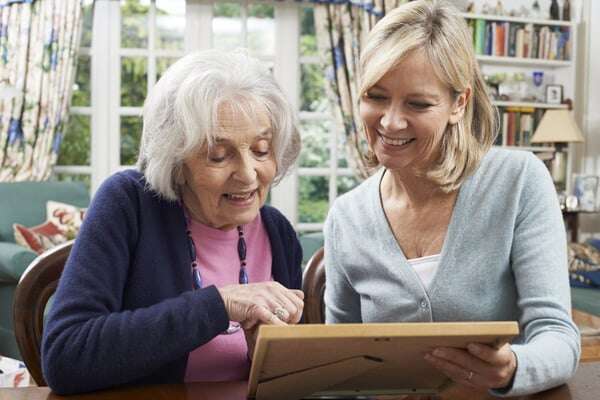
(39, 41)
(341, 28)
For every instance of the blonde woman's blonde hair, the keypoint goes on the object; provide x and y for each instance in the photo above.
(436, 28)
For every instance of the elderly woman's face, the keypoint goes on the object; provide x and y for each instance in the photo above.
(406, 113)
(227, 183)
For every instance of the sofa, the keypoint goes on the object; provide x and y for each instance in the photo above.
(25, 203)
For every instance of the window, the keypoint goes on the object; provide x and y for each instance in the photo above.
(323, 171)
(136, 40)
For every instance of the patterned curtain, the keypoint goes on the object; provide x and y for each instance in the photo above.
(39, 40)
(341, 28)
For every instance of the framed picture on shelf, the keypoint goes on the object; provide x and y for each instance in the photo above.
(586, 190)
(554, 94)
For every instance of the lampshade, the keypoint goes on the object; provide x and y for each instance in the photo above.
(557, 126)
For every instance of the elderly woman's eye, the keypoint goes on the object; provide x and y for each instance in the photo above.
(263, 148)
(217, 157)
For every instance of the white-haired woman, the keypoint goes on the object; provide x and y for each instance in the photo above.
(177, 260)
(449, 229)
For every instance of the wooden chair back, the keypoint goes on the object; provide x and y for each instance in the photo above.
(38, 283)
(313, 286)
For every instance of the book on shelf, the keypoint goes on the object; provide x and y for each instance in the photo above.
(517, 39)
(517, 125)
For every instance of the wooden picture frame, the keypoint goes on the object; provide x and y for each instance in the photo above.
(291, 362)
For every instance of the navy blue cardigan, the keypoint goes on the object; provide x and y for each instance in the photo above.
(124, 311)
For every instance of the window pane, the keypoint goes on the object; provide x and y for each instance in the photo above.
(170, 24)
(86, 27)
(81, 88)
(227, 26)
(308, 38)
(342, 151)
(261, 29)
(131, 132)
(75, 146)
(162, 64)
(313, 97)
(346, 183)
(315, 143)
(134, 23)
(314, 194)
(134, 78)
(85, 178)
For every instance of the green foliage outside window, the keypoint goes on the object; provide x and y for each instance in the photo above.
(75, 147)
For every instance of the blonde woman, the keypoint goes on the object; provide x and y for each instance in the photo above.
(449, 229)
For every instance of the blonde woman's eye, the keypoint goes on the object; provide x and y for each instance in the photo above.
(419, 105)
(374, 96)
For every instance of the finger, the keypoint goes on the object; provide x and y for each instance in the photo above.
(500, 357)
(295, 313)
(298, 293)
(265, 316)
(485, 375)
(464, 359)
(456, 373)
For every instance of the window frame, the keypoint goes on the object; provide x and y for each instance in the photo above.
(106, 111)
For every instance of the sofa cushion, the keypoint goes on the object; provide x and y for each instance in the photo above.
(39, 238)
(25, 202)
(66, 217)
(14, 259)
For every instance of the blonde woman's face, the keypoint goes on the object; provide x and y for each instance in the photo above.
(228, 182)
(406, 113)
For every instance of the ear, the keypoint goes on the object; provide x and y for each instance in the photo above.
(459, 106)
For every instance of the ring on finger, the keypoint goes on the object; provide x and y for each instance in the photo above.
(281, 313)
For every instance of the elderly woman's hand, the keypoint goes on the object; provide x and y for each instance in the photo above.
(480, 366)
(264, 302)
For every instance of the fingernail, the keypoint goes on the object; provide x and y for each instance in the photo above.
(473, 348)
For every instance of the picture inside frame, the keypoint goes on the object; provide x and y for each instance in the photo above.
(554, 94)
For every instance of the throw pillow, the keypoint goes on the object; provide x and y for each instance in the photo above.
(39, 238)
(66, 217)
(584, 265)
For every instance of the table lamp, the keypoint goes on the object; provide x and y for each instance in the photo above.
(558, 127)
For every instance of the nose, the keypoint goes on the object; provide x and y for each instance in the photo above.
(393, 119)
(245, 171)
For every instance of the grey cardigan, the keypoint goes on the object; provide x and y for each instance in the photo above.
(503, 258)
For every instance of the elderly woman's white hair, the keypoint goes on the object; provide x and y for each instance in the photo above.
(181, 113)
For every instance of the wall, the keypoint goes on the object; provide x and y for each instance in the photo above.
(589, 152)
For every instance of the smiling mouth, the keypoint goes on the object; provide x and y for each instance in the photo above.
(240, 196)
(395, 142)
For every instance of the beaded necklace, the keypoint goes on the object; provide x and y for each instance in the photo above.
(195, 266)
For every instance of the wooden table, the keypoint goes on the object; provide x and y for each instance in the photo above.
(584, 386)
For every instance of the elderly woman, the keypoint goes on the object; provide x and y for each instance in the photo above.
(449, 229)
(177, 260)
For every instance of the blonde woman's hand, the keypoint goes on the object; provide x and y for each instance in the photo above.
(479, 366)
(262, 303)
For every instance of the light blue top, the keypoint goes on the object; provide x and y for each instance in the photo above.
(504, 258)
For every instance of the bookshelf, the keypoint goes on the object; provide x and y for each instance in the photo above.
(512, 46)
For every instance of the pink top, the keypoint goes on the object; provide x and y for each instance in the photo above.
(224, 358)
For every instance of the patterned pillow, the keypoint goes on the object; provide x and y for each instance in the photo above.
(39, 238)
(584, 265)
(66, 217)
(62, 224)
